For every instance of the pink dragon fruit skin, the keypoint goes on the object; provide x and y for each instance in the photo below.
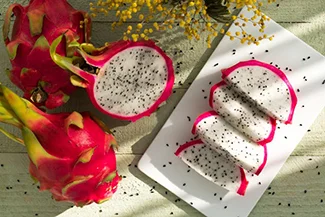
(35, 28)
(241, 114)
(230, 143)
(71, 154)
(201, 158)
(265, 76)
(132, 78)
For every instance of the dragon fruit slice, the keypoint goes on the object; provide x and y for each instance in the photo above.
(266, 86)
(213, 166)
(71, 154)
(239, 113)
(34, 29)
(131, 78)
(226, 140)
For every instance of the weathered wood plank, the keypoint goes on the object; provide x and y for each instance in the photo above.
(288, 11)
(139, 196)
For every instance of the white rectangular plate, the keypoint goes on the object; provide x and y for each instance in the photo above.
(305, 69)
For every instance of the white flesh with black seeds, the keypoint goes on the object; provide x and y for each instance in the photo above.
(239, 113)
(212, 166)
(131, 81)
(229, 142)
(264, 88)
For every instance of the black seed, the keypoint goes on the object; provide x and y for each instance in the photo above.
(220, 198)
(210, 82)
(225, 207)
(18, 180)
(189, 118)
(36, 214)
(318, 173)
(279, 204)
(216, 64)
(321, 200)
(303, 59)
(205, 97)
(136, 166)
(184, 184)
(301, 171)
(266, 51)
(269, 188)
(259, 183)
(116, 213)
(1, 165)
(293, 213)
(164, 165)
(305, 191)
(191, 48)
(289, 204)
(171, 213)
(191, 203)
(100, 210)
(25, 192)
(167, 145)
(166, 192)
(322, 83)
(298, 90)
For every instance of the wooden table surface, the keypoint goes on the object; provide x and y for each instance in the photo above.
(298, 190)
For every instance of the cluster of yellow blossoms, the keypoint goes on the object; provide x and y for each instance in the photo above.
(191, 15)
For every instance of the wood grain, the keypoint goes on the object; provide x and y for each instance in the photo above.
(304, 170)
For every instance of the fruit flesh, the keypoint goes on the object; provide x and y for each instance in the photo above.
(241, 114)
(265, 86)
(131, 81)
(226, 140)
(213, 166)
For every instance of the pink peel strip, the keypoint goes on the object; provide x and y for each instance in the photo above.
(244, 182)
(213, 88)
(187, 145)
(201, 117)
(226, 72)
(272, 120)
(271, 136)
(259, 170)
(164, 96)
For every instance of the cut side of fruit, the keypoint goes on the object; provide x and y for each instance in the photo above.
(266, 86)
(213, 166)
(241, 114)
(214, 131)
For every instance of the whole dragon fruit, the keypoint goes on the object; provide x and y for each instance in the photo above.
(35, 28)
(126, 80)
(71, 154)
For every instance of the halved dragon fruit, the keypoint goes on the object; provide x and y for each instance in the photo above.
(213, 166)
(266, 86)
(214, 131)
(128, 80)
(239, 113)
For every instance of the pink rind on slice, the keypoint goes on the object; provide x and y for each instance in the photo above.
(214, 113)
(271, 136)
(278, 72)
(272, 120)
(201, 117)
(244, 183)
(259, 170)
(98, 61)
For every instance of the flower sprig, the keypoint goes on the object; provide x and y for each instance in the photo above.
(194, 16)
